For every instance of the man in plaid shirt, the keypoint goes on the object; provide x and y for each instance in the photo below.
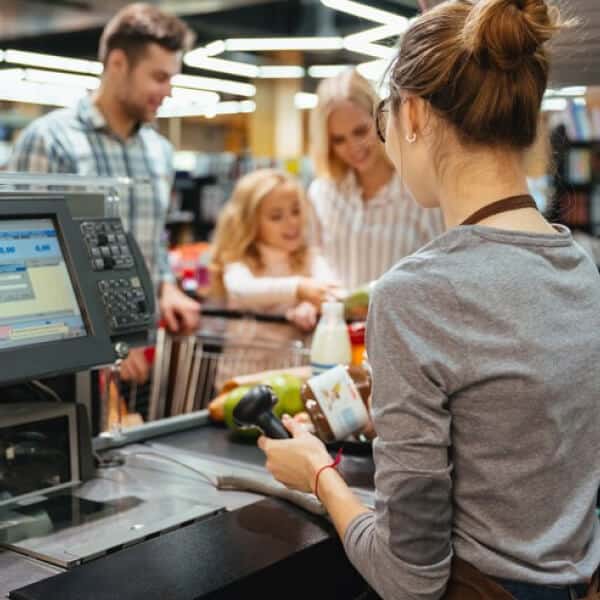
(108, 134)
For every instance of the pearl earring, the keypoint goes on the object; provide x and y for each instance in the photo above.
(412, 138)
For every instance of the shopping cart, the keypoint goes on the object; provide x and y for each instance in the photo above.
(190, 371)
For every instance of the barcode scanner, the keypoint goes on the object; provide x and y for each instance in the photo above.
(255, 409)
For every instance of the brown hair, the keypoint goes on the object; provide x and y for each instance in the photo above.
(482, 66)
(139, 24)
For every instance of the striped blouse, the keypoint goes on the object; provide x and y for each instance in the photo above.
(362, 240)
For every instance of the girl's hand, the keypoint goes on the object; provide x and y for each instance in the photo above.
(316, 292)
(295, 462)
(304, 316)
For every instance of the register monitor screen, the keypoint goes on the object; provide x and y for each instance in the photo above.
(37, 299)
(51, 317)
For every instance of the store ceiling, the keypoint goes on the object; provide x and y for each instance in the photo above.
(72, 27)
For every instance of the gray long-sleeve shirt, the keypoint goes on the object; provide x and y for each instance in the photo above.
(485, 348)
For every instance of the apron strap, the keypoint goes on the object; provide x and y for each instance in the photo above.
(500, 206)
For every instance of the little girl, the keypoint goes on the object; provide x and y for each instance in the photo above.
(261, 260)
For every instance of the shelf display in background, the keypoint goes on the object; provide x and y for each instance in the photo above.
(575, 209)
(595, 210)
(579, 166)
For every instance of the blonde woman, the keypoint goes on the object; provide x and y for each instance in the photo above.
(261, 260)
(365, 219)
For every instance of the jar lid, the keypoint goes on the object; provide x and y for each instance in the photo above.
(357, 333)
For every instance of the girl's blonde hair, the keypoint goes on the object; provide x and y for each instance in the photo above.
(348, 85)
(237, 227)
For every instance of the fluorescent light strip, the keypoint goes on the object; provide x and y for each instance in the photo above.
(376, 50)
(363, 11)
(86, 82)
(41, 93)
(49, 61)
(363, 42)
(198, 59)
(281, 72)
(194, 96)
(217, 85)
(231, 108)
(293, 43)
(373, 70)
(375, 34)
(11, 75)
(304, 100)
(554, 104)
(214, 48)
(222, 108)
(324, 71)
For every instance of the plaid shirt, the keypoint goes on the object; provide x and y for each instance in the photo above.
(78, 140)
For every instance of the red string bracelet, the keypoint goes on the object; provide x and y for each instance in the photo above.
(333, 465)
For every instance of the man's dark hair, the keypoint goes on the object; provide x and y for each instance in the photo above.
(139, 24)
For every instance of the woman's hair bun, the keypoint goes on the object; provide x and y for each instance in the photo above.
(503, 34)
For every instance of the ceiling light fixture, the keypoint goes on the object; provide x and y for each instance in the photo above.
(49, 61)
(227, 86)
(363, 11)
(86, 82)
(305, 101)
(375, 50)
(40, 93)
(373, 70)
(195, 96)
(324, 71)
(554, 104)
(281, 72)
(374, 34)
(222, 108)
(199, 60)
(214, 48)
(283, 43)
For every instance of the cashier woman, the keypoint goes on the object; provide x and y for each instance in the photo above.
(109, 134)
(484, 344)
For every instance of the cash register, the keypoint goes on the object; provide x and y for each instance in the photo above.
(74, 294)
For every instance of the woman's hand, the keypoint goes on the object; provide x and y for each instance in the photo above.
(295, 462)
(304, 316)
(316, 292)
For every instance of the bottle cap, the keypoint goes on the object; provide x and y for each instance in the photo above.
(357, 333)
(332, 309)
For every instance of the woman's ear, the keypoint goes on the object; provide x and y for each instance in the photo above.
(411, 117)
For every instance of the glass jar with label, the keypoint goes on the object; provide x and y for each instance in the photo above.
(337, 401)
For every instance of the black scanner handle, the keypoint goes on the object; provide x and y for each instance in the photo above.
(256, 409)
(273, 427)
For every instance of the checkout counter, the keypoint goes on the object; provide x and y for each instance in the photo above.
(185, 513)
